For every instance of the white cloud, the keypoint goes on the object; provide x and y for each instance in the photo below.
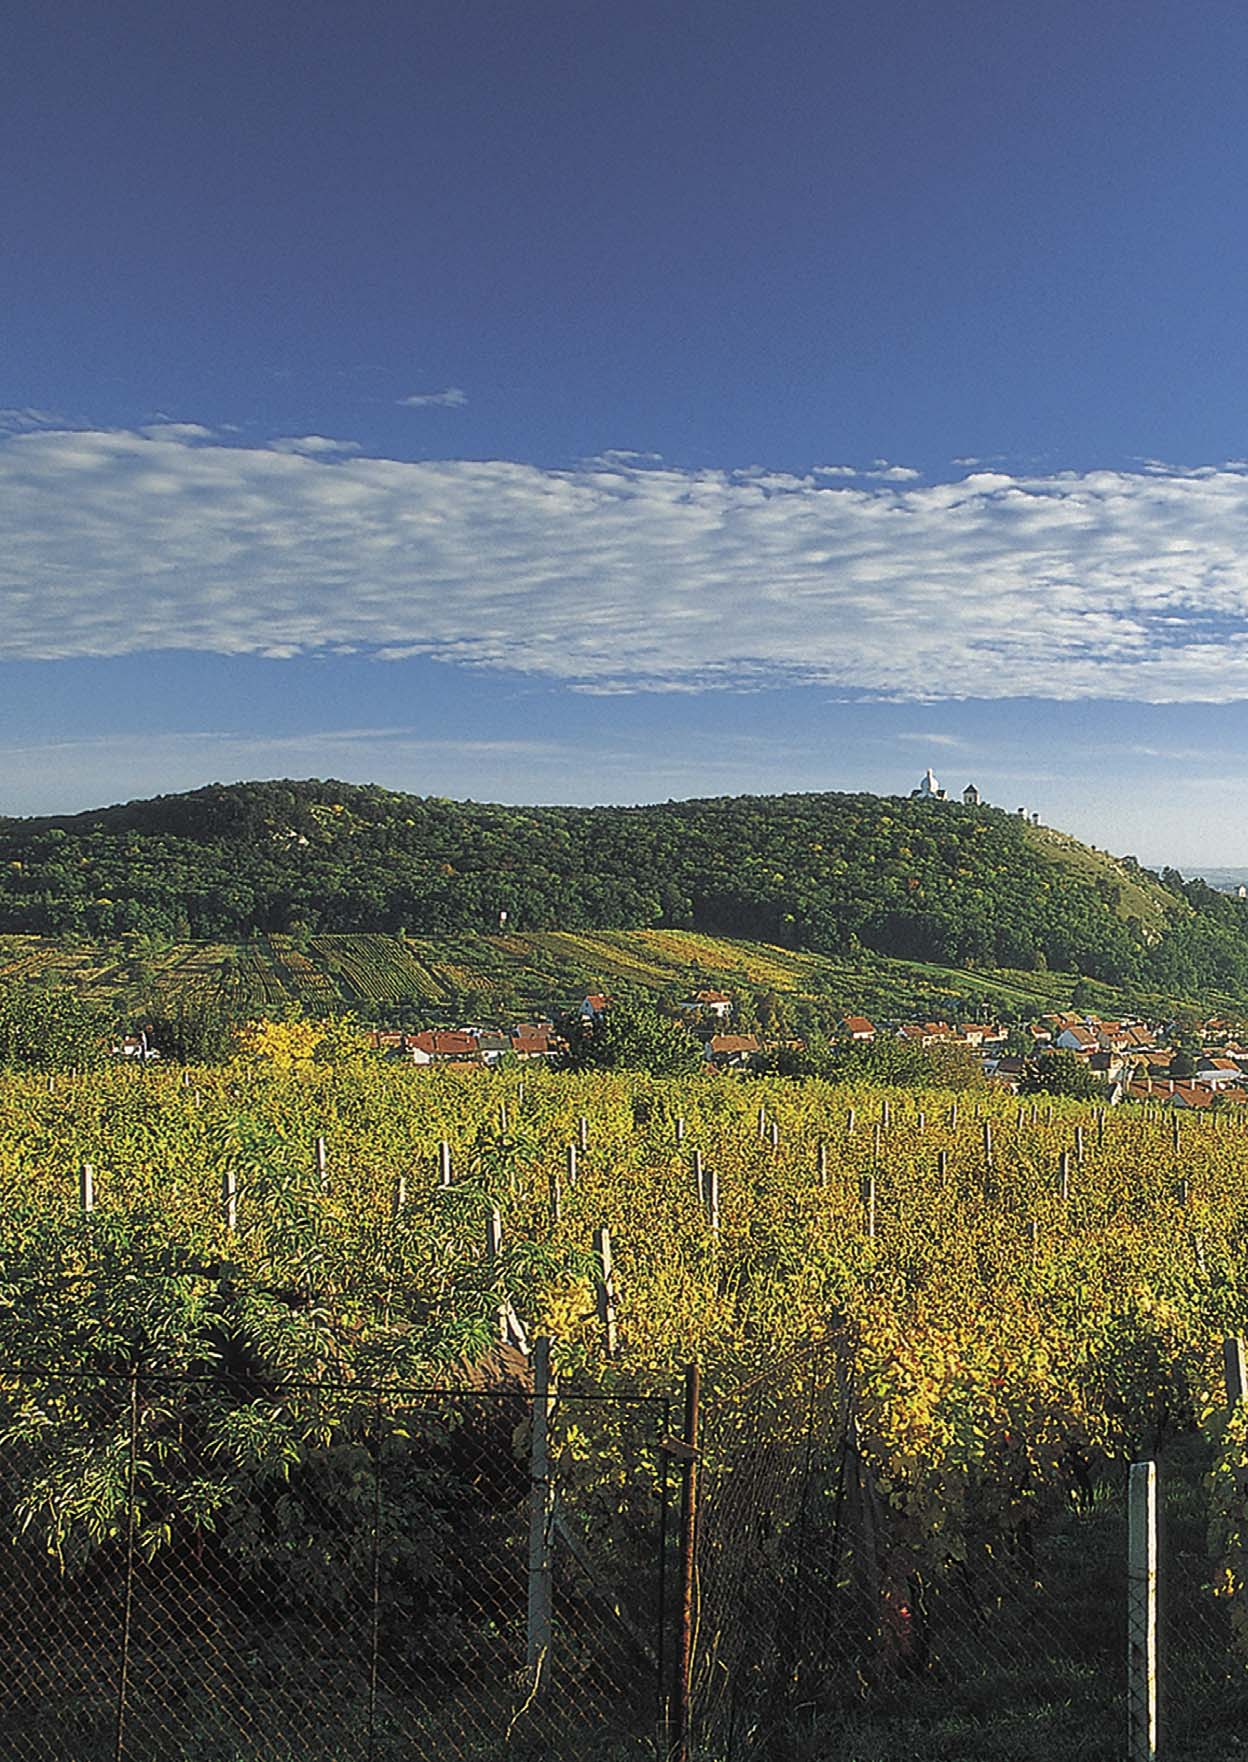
(1110, 584)
(166, 429)
(834, 471)
(886, 473)
(311, 446)
(450, 399)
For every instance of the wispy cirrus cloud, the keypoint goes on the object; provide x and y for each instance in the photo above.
(450, 399)
(14, 420)
(627, 576)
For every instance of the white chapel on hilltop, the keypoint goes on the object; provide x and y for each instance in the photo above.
(931, 790)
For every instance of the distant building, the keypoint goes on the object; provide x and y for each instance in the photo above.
(971, 796)
(929, 789)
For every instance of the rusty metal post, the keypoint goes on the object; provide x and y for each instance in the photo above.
(688, 1543)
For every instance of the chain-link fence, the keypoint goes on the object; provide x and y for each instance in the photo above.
(243, 1570)
(831, 1628)
(226, 1572)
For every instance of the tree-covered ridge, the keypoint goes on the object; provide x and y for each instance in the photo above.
(833, 872)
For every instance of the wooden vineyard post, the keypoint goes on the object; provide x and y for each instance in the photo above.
(444, 1163)
(1142, 1613)
(942, 1165)
(953, 1117)
(541, 1523)
(711, 1185)
(1174, 1130)
(869, 1199)
(682, 1751)
(920, 1122)
(988, 1144)
(1100, 1127)
(229, 1200)
(86, 1188)
(572, 1166)
(850, 1121)
(583, 1133)
(1234, 1369)
(1079, 1145)
(504, 1125)
(1063, 1174)
(556, 1207)
(680, 1128)
(775, 1134)
(399, 1202)
(510, 1327)
(322, 1166)
(762, 1122)
(823, 1163)
(605, 1293)
(886, 1117)
(876, 1140)
(695, 1165)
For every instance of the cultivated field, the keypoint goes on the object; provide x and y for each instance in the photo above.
(1007, 1303)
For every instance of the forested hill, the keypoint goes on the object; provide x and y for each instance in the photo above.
(924, 880)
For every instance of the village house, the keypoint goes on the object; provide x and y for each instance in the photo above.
(536, 1040)
(709, 1003)
(924, 1033)
(443, 1046)
(1217, 1072)
(135, 1046)
(857, 1028)
(732, 1051)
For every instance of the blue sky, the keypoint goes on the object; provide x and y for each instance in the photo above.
(552, 402)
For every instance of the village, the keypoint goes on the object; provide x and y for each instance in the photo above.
(1133, 1059)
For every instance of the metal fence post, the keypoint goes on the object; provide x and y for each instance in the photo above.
(1142, 1613)
(541, 1516)
(127, 1616)
(688, 1543)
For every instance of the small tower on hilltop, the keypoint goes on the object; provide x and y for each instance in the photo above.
(929, 789)
(971, 796)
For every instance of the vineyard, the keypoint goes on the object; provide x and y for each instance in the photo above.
(458, 977)
(1008, 1302)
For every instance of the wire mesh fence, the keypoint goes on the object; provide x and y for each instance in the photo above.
(209, 1570)
(825, 1627)
(246, 1570)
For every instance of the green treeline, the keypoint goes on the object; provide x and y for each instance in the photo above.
(834, 873)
